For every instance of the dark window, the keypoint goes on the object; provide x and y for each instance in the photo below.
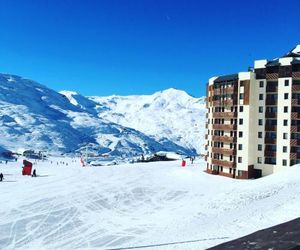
(240, 134)
(285, 109)
(260, 109)
(284, 162)
(239, 159)
(284, 149)
(240, 147)
(261, 84)
(259, 134)
(241, 96)
(259, 160)
(241, 108)
(260, 122)
(286, 96)
(285, 122)
(285, 135)
(286, 83)
(241, 121)
(259, 147)
(261, 96)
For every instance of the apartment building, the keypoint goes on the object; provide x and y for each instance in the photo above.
(253, 119)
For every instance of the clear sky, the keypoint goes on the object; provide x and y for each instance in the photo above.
(104, 47)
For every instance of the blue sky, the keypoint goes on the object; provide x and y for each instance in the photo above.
(141, 46)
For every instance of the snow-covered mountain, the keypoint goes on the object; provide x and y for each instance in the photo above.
(171, 114)
(33, 116)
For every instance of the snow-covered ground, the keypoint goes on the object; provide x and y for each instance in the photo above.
(73, 207)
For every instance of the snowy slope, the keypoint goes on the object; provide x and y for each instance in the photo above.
(71, 207)
(171, 114)
(33, 116)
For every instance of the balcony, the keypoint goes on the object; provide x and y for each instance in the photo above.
(295, 101)
(295, 115)
(272, 76)
(224, 151)
(295, 129)
(295, 142)
(228, 139)
(294, 156)
(222, 163)
(271, 102)
(270, 128)
(296, 88)
(224, 115)
(271, 114)
(270, 153)
(271, 89)
(270, 141)
(224, 126)
(296, 75)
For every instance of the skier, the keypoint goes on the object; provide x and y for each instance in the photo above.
(34, 173)
(1, 177)
(192, 159)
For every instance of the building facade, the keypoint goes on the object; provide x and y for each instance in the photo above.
(253, 119)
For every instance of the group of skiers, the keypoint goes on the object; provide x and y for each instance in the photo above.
(33, 175)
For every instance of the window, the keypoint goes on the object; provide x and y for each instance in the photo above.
(284, 149)
(259, 134)
(241, 108)
(239, 159)
(240, 134)
(261, 84)
(286, 96)
(285, 109)
(285, 122)
(286, 83)
(259, 147)
(284, 162)
(285, 135)
(242, 83)
(240, 147)
(241, 121)
(261, 96)
(241, 96)
(260, 122)
(259, 160)
(260, 109)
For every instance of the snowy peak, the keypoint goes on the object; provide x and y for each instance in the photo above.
(33, 116)
(297, 49)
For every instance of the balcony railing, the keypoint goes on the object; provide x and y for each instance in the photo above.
(224, 126)
(224, 151)
(228, 139)
(295, 129)
(271, 76)
(224, 114)
(296, 88)
(296, 75)
(272, 89)
(222, 163)
(271, 102)
(295, 101)
(271, 114)
(294, 156)
(295, 142)
(270, 153)
(270, 141)
(295, 115)
(270, 128)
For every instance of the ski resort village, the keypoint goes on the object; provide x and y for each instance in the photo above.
(125, 172)
(152, 125)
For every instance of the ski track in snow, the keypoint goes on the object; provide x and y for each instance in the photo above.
(154, 206)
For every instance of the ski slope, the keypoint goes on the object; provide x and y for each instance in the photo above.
(156, 204)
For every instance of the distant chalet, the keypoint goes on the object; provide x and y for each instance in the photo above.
(253, 119)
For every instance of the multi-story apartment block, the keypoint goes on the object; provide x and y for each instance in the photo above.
(253, 119)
